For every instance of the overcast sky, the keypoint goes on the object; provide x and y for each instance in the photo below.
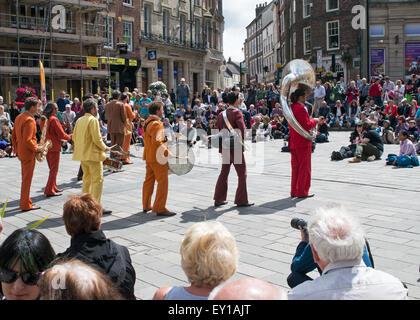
(238, 14)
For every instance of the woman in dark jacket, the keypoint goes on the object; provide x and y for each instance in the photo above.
(82, 219)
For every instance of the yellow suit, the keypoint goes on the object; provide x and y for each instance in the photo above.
(89, 148)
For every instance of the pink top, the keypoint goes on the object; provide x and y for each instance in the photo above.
(407, 148)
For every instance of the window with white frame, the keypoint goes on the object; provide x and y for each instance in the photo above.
(128, 35)
(332, 5)
(109, 24)
(412, 29)
(306, 8)
(333, 35)
(307, 40)
(146, 20)
(377, 30)
(128, 2)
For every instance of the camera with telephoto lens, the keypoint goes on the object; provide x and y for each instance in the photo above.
(296, 223)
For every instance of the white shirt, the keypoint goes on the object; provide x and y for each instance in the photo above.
(389, 86)
(319, 92)
(350, 280)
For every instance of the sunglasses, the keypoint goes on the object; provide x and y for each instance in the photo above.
(28, 278)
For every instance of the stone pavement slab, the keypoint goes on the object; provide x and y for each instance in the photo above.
(386, 200)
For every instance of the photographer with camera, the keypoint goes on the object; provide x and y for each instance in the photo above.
(303, 261)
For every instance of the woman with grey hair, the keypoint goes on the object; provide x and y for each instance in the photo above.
(209, 257)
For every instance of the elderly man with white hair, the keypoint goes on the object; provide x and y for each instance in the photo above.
(337, 243)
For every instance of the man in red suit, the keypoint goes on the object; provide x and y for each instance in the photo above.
(56, 134)
(229, 157)
(301, 148)
(25, 145)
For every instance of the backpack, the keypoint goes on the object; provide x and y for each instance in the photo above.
(336, 156)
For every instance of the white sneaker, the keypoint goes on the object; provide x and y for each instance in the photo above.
(371, 158)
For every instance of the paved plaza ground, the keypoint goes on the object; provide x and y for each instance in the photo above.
(386, 200)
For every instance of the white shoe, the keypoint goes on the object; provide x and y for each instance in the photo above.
(371, 158)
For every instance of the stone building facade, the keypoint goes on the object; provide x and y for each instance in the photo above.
(182, 39)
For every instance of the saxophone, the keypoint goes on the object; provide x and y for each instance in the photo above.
(40, 156)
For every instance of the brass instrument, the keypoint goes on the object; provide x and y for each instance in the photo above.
(40, 156)
(298, 73)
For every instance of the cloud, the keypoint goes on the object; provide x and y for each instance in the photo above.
(238, 15)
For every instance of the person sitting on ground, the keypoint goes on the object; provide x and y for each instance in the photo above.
(322, 132)
(82, 219)
(408, 154)
(23, 256)
(252, 111)
(80, 282)
(371, 147)
(247, 289)
(348, 152)
(276, 127)
(337, 243)
(6, 141)
(209, 257)
(413, 131)
(388, 133)
(401, 126)
(266, 128)
(338, 114)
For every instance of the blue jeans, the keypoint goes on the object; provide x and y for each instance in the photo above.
(183, 101)
(332, 122)
(378, 101)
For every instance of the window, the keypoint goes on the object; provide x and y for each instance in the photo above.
(22, 16)
(182, 29)
(332, 5)
(109, 25)
(128, 2)
(69, 21)
(377, 30)
(412, 29)
(294, 45)
(282, 23)
(294, 11)
(307, 40)
(197, 2)
(147, 21)
(165, 25)
(306, 8)
(333, 35)
(197, 33)
(128, 35)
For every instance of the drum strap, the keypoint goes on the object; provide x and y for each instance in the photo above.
(147, 124)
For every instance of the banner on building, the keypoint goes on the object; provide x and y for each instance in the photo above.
(114, 61)
(377, 62)
(160, 73)
(43, 89)
(92, 62)
(412, 58)
(152, 55)
(132, 63)
(173, 54)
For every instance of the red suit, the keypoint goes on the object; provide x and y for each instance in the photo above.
(301, 150)
(55, 133)
(236, 119)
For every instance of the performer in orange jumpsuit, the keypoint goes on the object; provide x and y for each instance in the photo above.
(155, 154)
(25, 145)
(129, 128)
(55, 133)
(301, 148)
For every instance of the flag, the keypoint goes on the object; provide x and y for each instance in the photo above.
(43, 90)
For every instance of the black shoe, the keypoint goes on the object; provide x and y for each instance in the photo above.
(308, 196)
(219, 204)
(54, 195)
(79, 178)
(166, 214)
(146, 211)
(245, 205)
(106, 212)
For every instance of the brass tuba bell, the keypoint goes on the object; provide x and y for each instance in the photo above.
(298, 74)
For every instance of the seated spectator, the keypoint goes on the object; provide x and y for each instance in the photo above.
(337, 243)
(247, 289)
(403, 108)
(6, 141)
(401, 126)
(324, 111)
(276, 127)
(413, 131)
(388, 133)
(180, 112)
(168, 131)
(252, 110)
(255, 128)
(303, 261)
(4, 119)
(391, 112)
(82, 219)
(209, 257)
(80, 282)
(349, 151)
(363, 117)
(354, 112)
(24, 255)
(322, 132)
(140, 132)
(266, 128)
(413, 110)
(210, 114)
(277, 111)
(408, 154)
(189, 114)
(371, 147)
(338, 114)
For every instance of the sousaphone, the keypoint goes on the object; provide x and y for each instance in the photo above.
(298, 74)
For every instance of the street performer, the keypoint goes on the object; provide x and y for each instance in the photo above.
(56, 134)
(229, 157)
(300, 147)
(116, 120)
(90, 149)
(156, 156)
(25, 145)
(128, 128)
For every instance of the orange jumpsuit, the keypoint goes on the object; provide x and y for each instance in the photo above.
(127, 138)
(55, 133)
(25, 145)
(155, 153)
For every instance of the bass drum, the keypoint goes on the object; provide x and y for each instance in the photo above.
(184, 160)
